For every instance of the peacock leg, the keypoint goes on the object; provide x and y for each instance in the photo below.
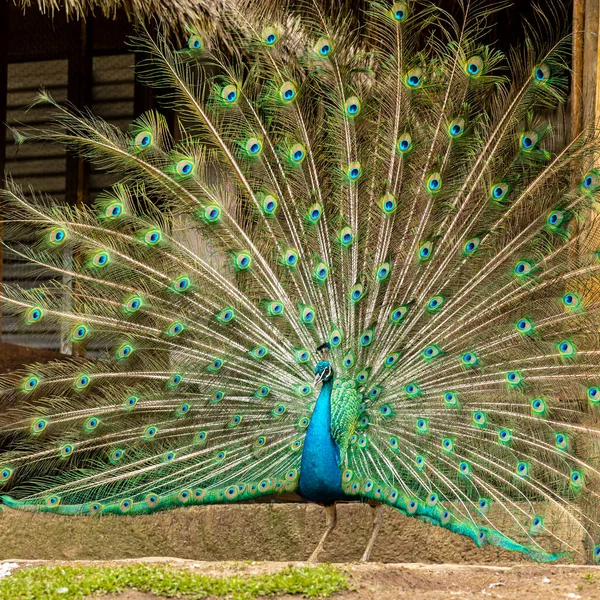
(331, 522)
(377, 519)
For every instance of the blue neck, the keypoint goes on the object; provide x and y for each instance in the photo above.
(320, 475)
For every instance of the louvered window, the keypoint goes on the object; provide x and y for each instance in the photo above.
(43, 167)
(37, 166)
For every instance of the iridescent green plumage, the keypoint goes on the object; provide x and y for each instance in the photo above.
(345, 413)
(395, 195)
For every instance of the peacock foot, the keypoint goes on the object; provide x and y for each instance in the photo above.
(331, 522)
(377, 519)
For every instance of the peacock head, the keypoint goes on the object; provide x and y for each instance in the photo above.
(323, 372)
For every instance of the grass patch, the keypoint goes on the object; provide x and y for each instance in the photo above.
(74, 583)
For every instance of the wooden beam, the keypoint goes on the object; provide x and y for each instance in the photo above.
(577, 73)
(3, 108)
(80, 96)
(589, 68)
(3, 84)
(585, 113)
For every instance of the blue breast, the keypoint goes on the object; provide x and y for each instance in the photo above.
(320, 475)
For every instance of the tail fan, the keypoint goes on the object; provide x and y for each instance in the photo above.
(395, 191)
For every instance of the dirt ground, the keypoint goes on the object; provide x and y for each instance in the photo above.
(397, 581)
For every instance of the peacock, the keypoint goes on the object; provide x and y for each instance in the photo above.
(362, 267)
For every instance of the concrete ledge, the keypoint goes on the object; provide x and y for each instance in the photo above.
(274, 532)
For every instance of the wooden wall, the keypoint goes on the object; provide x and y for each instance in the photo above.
(89, 64)
(13, 356)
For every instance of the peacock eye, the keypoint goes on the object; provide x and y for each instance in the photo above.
(434, 183)
(469, 359)
(230, 94)
(113, 210)
(414, 78)
(270, 36)
(287, 92)
(399, 11)
(404, 144)
(79, 333)
(101, 259)
(124, 351)
(130, 402)
(354, 171)
(194, 42)
(352, 106)
(541, 73)
(435, 304)
(314, 213)
(431, 352)
(181, 284)
(474, 66)
(555, 219)
(388, 204)
(456, 128)
(226, 315)
(529, 139)
(324, 47)
(185, 168)
(82, 382)
(566, 348)
(133, 304)
(523, 268)
(426, 251)
(57, 236)
(383, 271)
(590, 181)
(290, 258)
(524, 326)
(243, 261)
(269, 205)
(34, 315)
(471, 246)
(152, 237)
(297, 153)
(144, 139)
(366, 338)
(499, 192)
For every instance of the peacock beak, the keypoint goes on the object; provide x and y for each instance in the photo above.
(318, 378)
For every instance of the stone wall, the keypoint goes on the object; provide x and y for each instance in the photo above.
(275, 531)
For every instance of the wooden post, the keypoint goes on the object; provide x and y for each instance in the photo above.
(590, 62)
(585, 79)
(80, 96)
(143, 95)
(577, 74)
(585, 113)
(3, 108)
(3, 87)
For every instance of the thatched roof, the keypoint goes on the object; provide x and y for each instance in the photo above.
(170, 13)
